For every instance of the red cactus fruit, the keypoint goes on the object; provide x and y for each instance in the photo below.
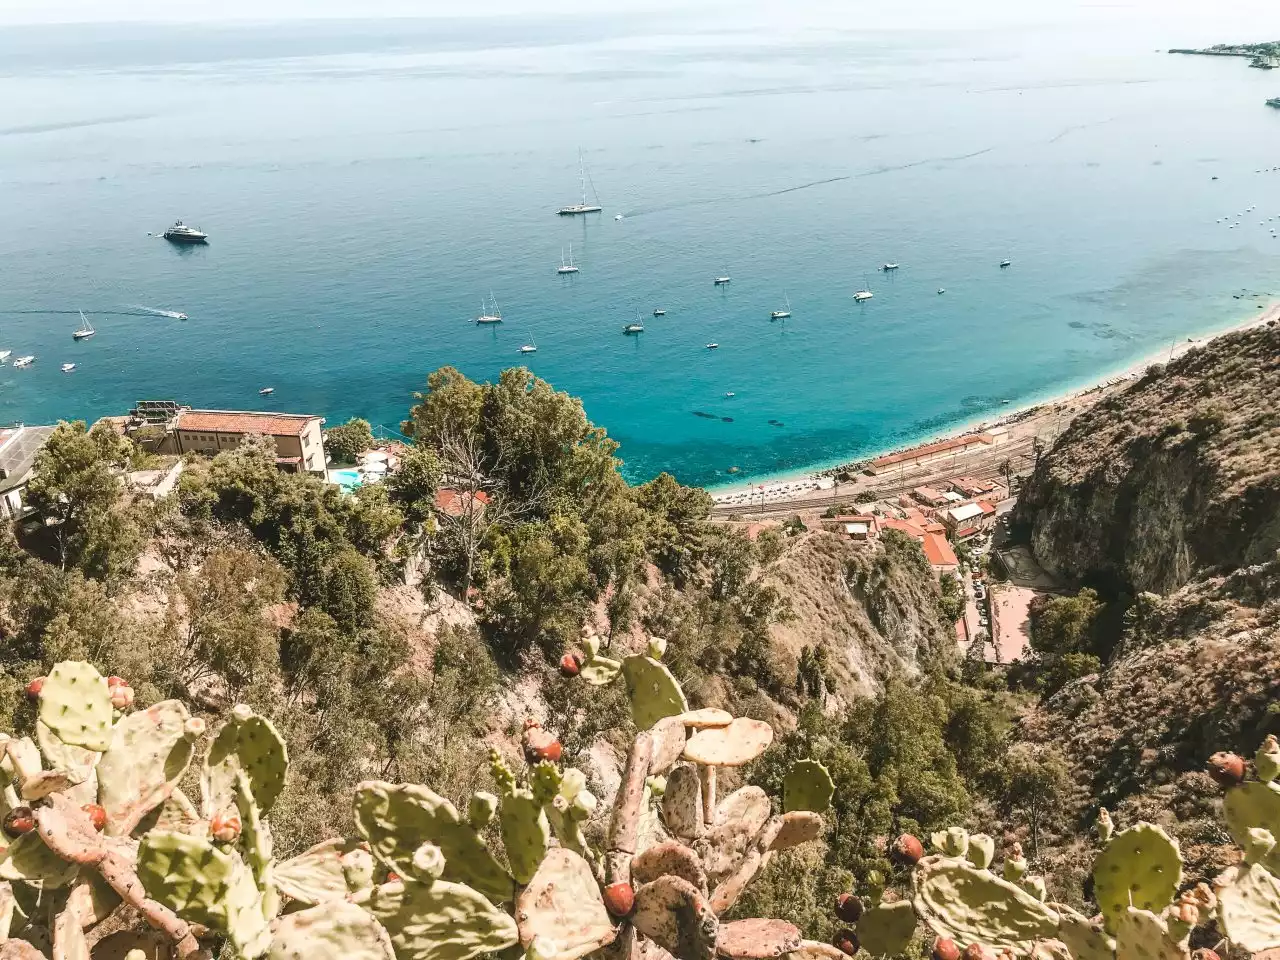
(1226, 768)
(846, 941)
(393, 877)
(97, 815)
(1204, 953)
(225, 827)
(906, 851)
(978, 951)
(619, 899)
(541, 745)
(122, 697)
(34, 687)
(848, 908)
(113, 681)
(18, 821)
(570, 665)
(945, 949)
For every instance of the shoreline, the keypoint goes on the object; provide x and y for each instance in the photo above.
(792, 484)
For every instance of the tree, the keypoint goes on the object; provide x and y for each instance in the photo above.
(1037, 782)
(677, 521)
(349, 590)
(1060, 625)
(953, 598)
(346, 442)
(450, 406)
(413, 486)
(75, 484)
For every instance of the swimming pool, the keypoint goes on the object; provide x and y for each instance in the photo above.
(348, 480)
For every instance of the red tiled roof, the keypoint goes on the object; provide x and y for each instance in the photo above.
(453, 502)
(928, 449)
(240, 423)
(905, 526)
(966, 532)
(938, 551)
(935, 527)
(288, 460)
(986, 507)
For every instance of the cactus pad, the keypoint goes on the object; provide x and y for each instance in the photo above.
(887, 928)
(250, 743)
(968, 905)
(982, 850)
(440, 921)
(1085, 939)
(807, 786)
(757, 939)
(397, 819)
(953, 841)
(732, 885)
(1267, 760)
(526, 833)
(562, 904)
(204, 885)
(654, 692)
(76, 705)
(682, 802)
(675, 915)
(1251, 805)
(28, 859)
(335, 931)
(669, 858)
(1141, 935)
(706, 717)
(600, 671)
(1140, 867)
(67, 758)
(1249, 908)
(668, 744)
(748, 805)
(148, 755)
(740, 742)
(816, 950)
(797, 827)
(324, 872)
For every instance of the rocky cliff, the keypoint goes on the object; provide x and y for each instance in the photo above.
(1175, 476)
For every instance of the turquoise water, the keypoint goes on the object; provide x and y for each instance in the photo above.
(366, 184)
(348, 480)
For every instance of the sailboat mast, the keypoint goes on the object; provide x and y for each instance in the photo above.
(582, 177)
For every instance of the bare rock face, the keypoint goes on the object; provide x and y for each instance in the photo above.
(1171, 478)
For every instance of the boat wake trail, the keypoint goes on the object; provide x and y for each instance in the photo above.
(738, 198)
(157, 312)
(1067, 131)
(71, 124)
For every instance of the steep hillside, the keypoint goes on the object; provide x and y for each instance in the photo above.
(1173, 476)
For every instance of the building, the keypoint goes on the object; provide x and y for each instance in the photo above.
(971, 489)
(299, 446)
(453, 503)
(968, 519)
(930, 453)
(164, 426)
(19, 446)
(929, 496)
(938, 551)
(858, 526)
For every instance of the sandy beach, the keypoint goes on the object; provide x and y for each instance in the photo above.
(1030, 425)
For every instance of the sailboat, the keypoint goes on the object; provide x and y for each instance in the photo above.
(782, 314)
(4, 355)
(864, 293)
(637, 327)
(569, 267)
(576, 208)
(485, 315)
(86, 328)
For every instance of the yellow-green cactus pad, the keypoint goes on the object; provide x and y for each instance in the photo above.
(204, 885)
(76, 705)
(441, 921)
(325, 872)
(740, 742)
(957, 900)
(148, 755)
(1141, 935)
(335, 931)
(1140, 867)
(526, 833)
(1085, 939)
(807, 786)
(887, 928)
(1251, 805)
(29, 860)
(953, 841)
(600, 671)
(982, 850)
(562, 905)
(1267, 760)
(250, 743)
(397, 819)
(1249, 909)
(654, 692)
(77, 762)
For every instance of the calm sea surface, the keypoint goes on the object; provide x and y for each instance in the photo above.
(366, 185)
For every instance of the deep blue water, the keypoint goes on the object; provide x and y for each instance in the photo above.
(365, 185)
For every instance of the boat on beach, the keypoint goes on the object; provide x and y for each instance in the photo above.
(85, 330)
(576, 209)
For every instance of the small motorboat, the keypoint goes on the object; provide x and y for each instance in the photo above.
(1006, 263)
(529, 348)
(68, 367)
(721, 281)
(942, 290)
(863, 294)
(617, 216)
(729, 394)
(266, 391)
(889, 266)
(659, 312)
(713, 346)
(631, 328)
(24, 362)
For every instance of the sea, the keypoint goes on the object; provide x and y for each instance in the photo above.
(367, 183)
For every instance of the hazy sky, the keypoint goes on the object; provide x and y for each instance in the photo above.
(1219, 18)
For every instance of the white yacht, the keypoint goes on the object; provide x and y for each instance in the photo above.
(1006, 263)
(85, 330)
(24, 362)
(863, 294)
(713, 346)
(181, 233)
(889, 266)
(68, 367)
(266, 391)
(485, 315)
(659, 312)
(721, 281)
(784, 313)
(567, 267)
(574, 209)
(529, 348)
(631, 328)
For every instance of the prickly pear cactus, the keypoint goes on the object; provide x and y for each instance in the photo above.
(440, 921)
(1250, 806)
(1085, 939)
(149, 753)
(79, 763)
(807, 786)
(76, 705)
(1249, 907)
(250, 743)
(1140, 867)
(562, 905)
(1142, 935)
(886, 929)
(963, 903)
(335, 931)
(981, 850)
(953, 841)
(328, 871)
(654, 692)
